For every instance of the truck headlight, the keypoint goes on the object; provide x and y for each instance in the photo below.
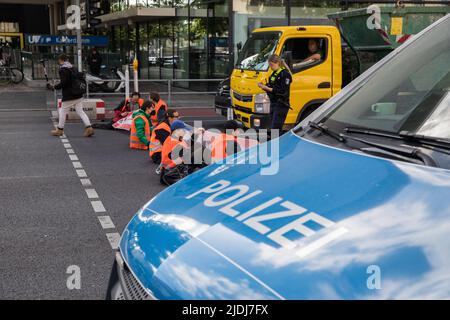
(262, 103)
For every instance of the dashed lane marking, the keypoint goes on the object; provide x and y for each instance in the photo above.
(91, 193)
(86, 182)
(81, 173)
(114, 239)
(73, 157)
(77, 165)
(98, 206)
(106, 222)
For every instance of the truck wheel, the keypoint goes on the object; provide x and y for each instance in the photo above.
(307, 111)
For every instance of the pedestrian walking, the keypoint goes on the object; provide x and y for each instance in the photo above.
(72, 96)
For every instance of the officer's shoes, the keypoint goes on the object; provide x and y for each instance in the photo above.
(158, 170)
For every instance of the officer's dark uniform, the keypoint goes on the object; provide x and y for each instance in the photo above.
(280, 81)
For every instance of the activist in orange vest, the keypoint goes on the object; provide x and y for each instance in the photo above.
(169, 158)
(226, 143)
(160, 108)
(158, 136)
(140, 133)
(128, 105)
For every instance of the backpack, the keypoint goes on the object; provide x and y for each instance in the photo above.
(78, 83)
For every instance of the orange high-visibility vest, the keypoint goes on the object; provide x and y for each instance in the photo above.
(169, 145)
(219, 147)
(155, 145)
(154, 118)
(135, 143)
(124, 107)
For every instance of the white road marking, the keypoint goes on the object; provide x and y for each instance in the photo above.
(86, 182)
(65, 140)
(70, 151)
(77, 165)
(91, 193)
(67, 145)
(98, 206)
(106, 222)
(73, 157)
(114, 239)
(81, 173)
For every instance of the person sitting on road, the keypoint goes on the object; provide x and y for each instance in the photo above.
(160, 107)
(226, 143)
(173, 115)
(141, 130)
(172, 154)
(122, 111)
(159, 135)
(128, 105)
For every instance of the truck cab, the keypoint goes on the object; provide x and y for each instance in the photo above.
(313, 83)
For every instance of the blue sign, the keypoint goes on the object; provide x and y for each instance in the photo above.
(52, 40)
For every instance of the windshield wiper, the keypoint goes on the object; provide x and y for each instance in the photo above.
(402, 151)
(406, 136)
(421, 139)
(325, 130)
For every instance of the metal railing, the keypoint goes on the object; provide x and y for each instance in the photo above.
(170, 92)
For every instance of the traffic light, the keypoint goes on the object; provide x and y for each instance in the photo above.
(93, 10)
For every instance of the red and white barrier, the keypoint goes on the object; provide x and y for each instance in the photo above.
(94, 108)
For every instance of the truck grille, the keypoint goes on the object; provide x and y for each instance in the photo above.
(243, 98)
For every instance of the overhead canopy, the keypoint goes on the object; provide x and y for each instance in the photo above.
(134, 14)
(28, 1)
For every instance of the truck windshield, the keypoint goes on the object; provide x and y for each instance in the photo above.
(256, 51)
(409, 93)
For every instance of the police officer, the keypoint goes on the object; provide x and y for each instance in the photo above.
(278, 89)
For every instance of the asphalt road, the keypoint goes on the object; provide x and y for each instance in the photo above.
(49, 220)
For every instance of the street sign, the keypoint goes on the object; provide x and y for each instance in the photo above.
(53, 40)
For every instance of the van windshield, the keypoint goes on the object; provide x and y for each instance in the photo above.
(410, 93)
(256, 51)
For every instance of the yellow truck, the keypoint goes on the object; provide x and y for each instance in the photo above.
(313, 82)
(345, 49)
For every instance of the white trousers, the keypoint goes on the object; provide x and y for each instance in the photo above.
(72, 104)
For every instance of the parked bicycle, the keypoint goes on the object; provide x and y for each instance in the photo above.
(9, 74)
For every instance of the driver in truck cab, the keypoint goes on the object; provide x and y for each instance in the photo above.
(278, 90)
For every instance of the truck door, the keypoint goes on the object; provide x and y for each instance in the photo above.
(312, 79)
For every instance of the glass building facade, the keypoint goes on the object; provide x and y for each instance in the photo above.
(199, 41)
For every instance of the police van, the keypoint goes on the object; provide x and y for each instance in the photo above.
(353, 203)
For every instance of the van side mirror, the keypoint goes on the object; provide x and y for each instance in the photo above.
(239, 46)
(287, 57)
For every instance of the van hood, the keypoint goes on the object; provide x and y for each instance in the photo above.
(380, 230)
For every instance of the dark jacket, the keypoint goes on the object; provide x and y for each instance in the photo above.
(281, 88)
(65, 84)
(161, 134)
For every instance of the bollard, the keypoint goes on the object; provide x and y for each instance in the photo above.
(135, 75)
(127, 82)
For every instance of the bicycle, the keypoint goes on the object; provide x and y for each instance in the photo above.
(9, 74)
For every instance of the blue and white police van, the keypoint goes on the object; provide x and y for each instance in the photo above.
(354, 203)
